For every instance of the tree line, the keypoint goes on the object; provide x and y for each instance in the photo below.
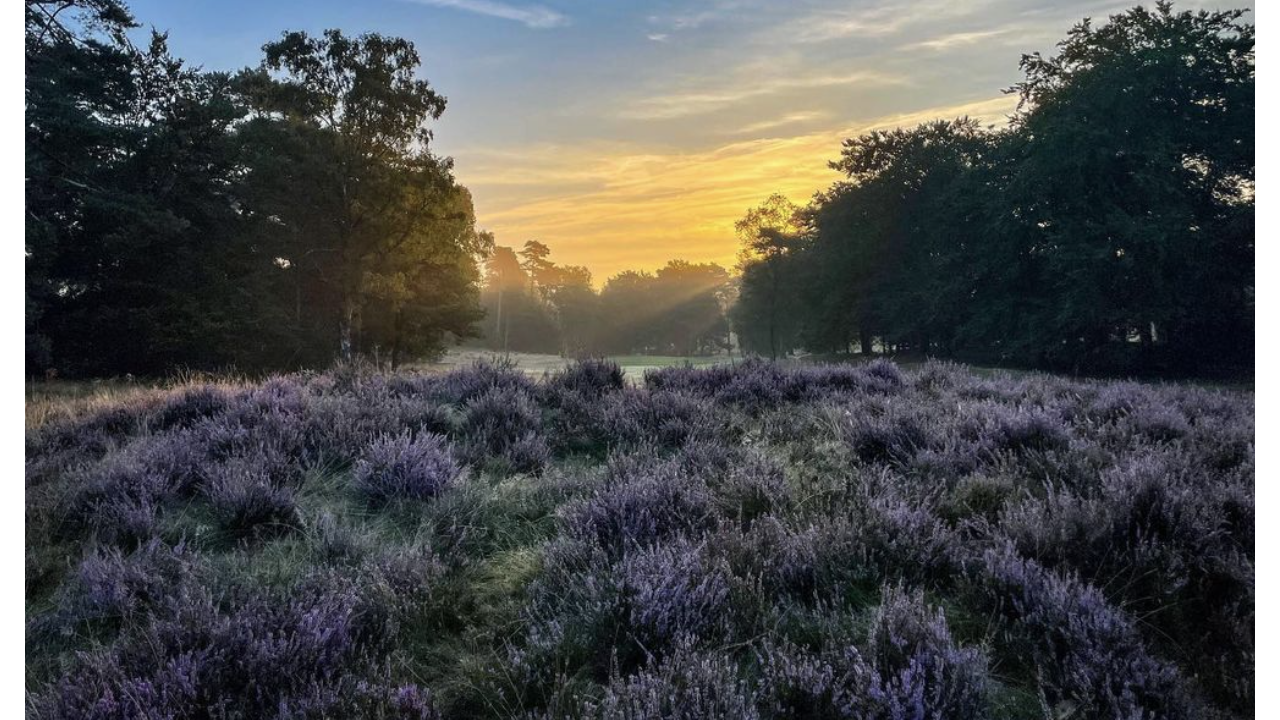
(1108, 227)
(280, 216)
(293, 212)
(532, 304)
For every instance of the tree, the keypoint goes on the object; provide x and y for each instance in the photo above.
(426, 286)
(136, 252)
(534, 260)
(521, 320)
(343, 165)
(763, 315)
(692, 319)
(568, 290)
(1137, 183)
(887, 254)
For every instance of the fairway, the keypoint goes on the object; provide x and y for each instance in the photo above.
(634, 366)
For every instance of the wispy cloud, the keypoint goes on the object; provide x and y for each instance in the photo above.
(659, 37)
(699, 101)
(832, 25)
(534, 16)
(960, 39)
(788, 119)
(684, 21)
(877, 21)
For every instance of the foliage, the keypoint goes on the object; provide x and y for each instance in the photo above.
(1108, 227)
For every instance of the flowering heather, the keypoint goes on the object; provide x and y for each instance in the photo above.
(909, 667)
(674, 593)
(689, 686)
(249, 506)
(641, 503)
(744, 540)
(405, 467)
(505, 423)
(591, 378)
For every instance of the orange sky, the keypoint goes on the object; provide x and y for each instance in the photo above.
(616, 206)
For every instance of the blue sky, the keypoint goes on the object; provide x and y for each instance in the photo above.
(623, 133)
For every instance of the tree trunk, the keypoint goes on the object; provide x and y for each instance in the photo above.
(864, 339)
(395, 338)
(349, 329)
(344, 335)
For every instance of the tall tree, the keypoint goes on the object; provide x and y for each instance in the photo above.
(764, 314)
(343, 163)
(1137, 182)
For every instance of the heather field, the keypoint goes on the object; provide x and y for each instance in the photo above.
(745, 541)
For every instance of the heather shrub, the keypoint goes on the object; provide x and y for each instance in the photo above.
(891, 435)
(752, 539)
(1019, 429)
(751, 486)
(758, 386)
(117, 499)
(570, 617)
(462, 386)
(688, 685)
(641, 504)
(340, 427)
(796, 682)
(675, 593)
(919, 670)
(590, 377)
(188, 406)
(1162, 543)
(911, 668)
(336, 541)
(888, 377)
(700, 382)
(505, 424)
(665, 419)
(1086, 653)
(58, 445)
(266, 656)
(249, 506)
(880, 537)
(577, 423)
(405, 467)
(113, 585)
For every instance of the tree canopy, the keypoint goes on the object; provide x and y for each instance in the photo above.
(1108, 227)
(279, 217)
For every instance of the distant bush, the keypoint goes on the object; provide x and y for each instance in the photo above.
(592, 378)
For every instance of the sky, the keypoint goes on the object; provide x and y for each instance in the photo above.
(625, 133)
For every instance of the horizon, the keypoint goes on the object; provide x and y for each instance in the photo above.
(626, 136)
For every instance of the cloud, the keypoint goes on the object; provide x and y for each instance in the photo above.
(534, 16)
(961, 39)
(788, 119)
(613, 205)
(700, 101)
(880, 21)
(658, 37)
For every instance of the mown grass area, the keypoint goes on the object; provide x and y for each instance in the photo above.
(751, 540)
